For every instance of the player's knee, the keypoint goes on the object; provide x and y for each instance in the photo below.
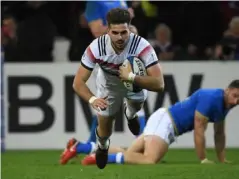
(152, 160)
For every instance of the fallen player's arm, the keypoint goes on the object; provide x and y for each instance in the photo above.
(97, 28)
(94, 19)
(154, 81)
(219, 139)
(79, 84)
(200, 125)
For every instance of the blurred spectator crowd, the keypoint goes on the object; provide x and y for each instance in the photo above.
(177, 30)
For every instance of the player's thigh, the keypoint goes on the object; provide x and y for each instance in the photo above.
(137, 145)
(159, 134)
(106, 118)
(114, 100)
(155, 148)
(160, 124)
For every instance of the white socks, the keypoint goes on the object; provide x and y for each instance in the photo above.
(119, 157)
(104, 142)
(105, 145)
(93, 147)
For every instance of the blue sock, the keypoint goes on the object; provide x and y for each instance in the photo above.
(85, 148)
(116, 158)
(92, 137)
(142, 123)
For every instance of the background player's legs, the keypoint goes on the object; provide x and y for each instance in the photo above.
(94, 124)
(142, 123)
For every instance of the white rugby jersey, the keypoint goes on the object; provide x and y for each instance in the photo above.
(101, 51)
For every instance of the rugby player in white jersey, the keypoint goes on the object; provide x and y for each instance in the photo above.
(110, 51)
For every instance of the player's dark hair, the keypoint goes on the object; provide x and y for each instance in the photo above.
(234, 84)
(118, 16)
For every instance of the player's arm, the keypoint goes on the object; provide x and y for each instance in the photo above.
(219, 139)
(79, 84)
(97, 28)
(200, 125)
(94, 19)
(81, 77)
(204, 106)
(154, 80)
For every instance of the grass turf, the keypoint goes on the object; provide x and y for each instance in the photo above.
(178, 164)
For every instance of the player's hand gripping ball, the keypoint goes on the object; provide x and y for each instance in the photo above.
(131, 67)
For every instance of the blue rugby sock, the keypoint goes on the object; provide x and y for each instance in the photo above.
(85, 148)
(142, 123)
(116, 158)
(92, 137)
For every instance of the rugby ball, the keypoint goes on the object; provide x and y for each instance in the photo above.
(138, 68)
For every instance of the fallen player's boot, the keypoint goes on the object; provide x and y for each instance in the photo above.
(89, 160)
(69, 152)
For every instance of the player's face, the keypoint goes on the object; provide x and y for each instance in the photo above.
(232, 97)
(119, 34)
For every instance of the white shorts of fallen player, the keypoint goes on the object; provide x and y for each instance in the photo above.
(113, 88)
(160, 124)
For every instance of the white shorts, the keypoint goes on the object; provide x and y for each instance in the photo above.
(160, 124)
(113, 88)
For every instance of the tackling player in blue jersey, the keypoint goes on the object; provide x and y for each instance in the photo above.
(164, 125)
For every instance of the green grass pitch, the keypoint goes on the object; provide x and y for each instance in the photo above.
(178, 164)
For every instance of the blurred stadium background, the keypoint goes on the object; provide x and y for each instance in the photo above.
(41, 47)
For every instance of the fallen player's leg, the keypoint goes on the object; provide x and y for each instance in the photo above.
(154, 150)
(149, 150)
(117, 156)
(92, 137)
(74, 147)
(151, 146)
